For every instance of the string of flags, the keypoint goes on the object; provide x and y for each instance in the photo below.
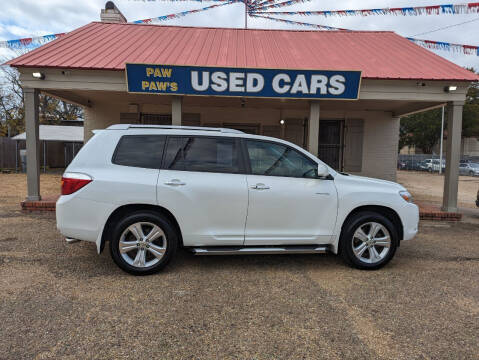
(256, 8)
(452, 9)
(182, 13)
(439, 45)
(37, 40)
(268, 4)
(429, 44)
(291, 22)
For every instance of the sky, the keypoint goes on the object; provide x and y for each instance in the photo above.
(28, 18)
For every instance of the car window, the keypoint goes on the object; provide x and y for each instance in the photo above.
(462, 165)
(143, 151)
(267, 158)
(202, 154)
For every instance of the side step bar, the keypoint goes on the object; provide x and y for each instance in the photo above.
(227, 250)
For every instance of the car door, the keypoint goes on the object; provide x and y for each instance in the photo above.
(288, 203)
(462, 169)
(202, 182)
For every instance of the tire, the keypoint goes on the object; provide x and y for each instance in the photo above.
(142, 255)
(374, 256)
(471, 173)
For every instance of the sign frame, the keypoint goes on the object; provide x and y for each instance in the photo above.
(244, 96)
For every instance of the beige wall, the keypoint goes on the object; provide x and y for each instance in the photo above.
(380, 146)
(381, 130)
(470, 146)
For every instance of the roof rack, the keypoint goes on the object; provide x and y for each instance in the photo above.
(172, 127)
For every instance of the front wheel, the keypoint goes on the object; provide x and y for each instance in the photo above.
(143, 243)
(368, 241)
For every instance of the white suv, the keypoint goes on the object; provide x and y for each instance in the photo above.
(149, 189)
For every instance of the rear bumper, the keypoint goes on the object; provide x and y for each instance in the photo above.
(81, 219)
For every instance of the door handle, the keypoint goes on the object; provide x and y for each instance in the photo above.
(175, 182)
(260, 186)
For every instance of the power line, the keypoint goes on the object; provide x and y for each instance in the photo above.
(446, 27)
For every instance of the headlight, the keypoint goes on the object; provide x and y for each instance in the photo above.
(406, 195)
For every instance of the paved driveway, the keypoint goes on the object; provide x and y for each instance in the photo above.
(64, 301)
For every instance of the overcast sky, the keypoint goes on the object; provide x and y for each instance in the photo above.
(26, 18)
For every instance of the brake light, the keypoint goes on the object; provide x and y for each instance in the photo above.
(72, 182)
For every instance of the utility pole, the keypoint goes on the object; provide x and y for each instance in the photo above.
(246, 13)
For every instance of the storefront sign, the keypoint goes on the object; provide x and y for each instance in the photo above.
(269, 83)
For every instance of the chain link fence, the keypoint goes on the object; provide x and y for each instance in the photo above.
(432, 163)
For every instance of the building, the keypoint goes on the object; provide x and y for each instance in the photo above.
(339, 94)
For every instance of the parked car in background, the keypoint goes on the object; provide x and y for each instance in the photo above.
(402, 165)
(471, 169)
(435, 165)
(147, 190)
(423, 166)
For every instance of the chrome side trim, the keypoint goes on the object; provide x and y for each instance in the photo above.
(259, 250)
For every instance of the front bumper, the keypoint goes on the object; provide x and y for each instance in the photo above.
(410, 218)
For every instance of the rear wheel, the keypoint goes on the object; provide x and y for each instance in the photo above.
(143, 243)
(368, 241)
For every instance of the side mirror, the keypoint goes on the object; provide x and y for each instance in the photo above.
(322, 170)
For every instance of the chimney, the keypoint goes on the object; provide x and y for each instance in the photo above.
(111, 14)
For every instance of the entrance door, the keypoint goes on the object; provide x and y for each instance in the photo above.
(287, 202)
(330, 144)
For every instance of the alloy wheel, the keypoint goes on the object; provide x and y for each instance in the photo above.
(142, 244)
(371, 242)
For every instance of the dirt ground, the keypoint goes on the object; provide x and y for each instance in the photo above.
(427, 187)
(60, 301)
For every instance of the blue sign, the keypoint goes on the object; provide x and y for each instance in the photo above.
(243, 82)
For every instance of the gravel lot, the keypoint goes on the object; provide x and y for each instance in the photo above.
(62, 301)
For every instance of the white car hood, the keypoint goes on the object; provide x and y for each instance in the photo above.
(372, 182)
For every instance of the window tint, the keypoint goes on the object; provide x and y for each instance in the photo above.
(143, 151)
(278, 160)
(202, 154)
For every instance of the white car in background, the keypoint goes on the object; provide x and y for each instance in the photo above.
(433, 165)
(471, 169)
(146, 190)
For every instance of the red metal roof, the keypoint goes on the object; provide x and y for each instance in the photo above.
(107, 46)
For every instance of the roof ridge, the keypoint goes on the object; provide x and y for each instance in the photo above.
(241, 29)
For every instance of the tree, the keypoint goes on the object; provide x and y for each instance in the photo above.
(12, 110)
(470, 115)
(423, 130)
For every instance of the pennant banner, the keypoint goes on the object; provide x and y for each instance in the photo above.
(429, 44)
(440, 45)
(37, 40)
(183, 13)
(180, 0)
(316, 26)
(469, 8)
(274, 4)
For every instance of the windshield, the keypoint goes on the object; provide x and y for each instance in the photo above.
(476, 166)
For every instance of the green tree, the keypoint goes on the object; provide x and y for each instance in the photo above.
(423, 130)
(470, 115)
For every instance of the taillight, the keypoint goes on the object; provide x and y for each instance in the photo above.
(72, 182)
